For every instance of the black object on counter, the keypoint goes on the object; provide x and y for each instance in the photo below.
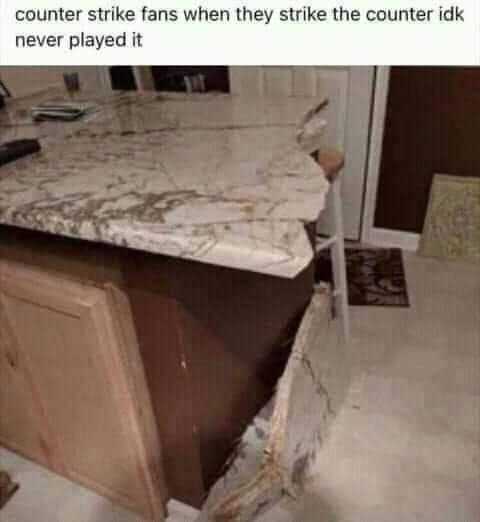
(13, 150)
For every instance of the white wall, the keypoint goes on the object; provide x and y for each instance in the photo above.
(22, 81)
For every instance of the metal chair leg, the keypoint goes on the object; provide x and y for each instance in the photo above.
(338, 261)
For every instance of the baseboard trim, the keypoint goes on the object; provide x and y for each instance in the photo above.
(180, 512)
(393, 238)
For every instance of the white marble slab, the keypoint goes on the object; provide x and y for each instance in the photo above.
(214, 178)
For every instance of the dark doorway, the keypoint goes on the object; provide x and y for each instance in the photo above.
(432, 126)
(172, 78)
(122, 78)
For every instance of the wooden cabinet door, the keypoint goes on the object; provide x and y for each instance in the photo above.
(87, 381)
(20, 418)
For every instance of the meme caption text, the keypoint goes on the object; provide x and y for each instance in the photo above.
(147, 15)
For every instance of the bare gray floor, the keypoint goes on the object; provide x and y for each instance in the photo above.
(405, 446)
(46, 497)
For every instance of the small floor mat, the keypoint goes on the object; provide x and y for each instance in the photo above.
(376, 276)
(452, 224)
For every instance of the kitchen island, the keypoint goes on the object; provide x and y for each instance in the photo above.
(155, 260)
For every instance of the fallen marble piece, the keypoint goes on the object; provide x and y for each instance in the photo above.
(273, 459)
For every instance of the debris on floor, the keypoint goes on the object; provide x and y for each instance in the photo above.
(274, 456)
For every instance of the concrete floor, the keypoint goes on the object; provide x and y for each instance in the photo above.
(405, 446)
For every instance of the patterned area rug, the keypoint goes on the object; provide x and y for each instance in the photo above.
(452, 224)
(375, 276)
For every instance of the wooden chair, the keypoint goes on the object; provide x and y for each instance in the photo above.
(332, 163)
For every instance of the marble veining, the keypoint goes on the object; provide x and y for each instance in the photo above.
(214, 178)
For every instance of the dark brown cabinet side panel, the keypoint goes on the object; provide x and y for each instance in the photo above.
(158, 325)
(219, 360)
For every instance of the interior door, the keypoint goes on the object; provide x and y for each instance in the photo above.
(432, 126)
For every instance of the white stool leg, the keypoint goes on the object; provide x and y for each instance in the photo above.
(338, 261)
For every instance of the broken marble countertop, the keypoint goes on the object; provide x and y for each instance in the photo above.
(218, 179)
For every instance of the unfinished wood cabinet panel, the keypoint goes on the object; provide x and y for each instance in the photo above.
(19, 420)
(78, 346)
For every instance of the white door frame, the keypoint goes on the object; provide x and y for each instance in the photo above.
(357, 130)
(371, 234)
